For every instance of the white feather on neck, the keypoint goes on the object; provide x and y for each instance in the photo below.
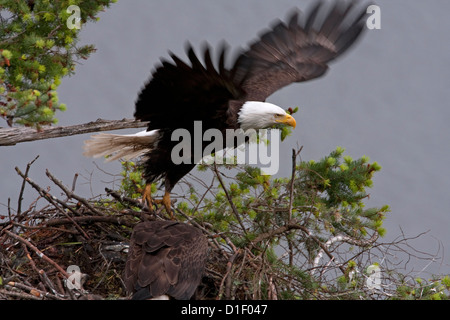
(258, 115)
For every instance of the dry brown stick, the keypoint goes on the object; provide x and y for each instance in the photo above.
(30, 260)
(22, 286)
(44, 193)
(233, 207)
(59, 284)
(238, 272)
(144, 216)
(229, 280)
(43, 227)
(72, 195)
(33, 265)
(272, 294)
(47, 281)
(39, 253)
(90, 219)
(21, 295)
(123, 199)
(291, 226)
(291, 199)
(204, 195)
(9, 209)
(225, 285)
(291, 185)
(12, 136)
(22, 188)
(80, 230)
(51, 199)
(42, 275)
(74, 182)
(33, 291)
(269, 234)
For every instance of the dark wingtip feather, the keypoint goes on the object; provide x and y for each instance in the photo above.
(312, 16)
(178, 62)
(293, 18)
(223, 49)
(355, 29)
(207, 58)
(190, 52)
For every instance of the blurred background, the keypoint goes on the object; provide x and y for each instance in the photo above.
(387, 98)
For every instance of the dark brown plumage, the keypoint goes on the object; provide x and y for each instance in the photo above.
(165, 258)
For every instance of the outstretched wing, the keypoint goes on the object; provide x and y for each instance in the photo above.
(180, 93)
(165, 258)
(299, 50)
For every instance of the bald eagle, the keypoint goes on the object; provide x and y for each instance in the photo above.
(179, 93)
(166, 259)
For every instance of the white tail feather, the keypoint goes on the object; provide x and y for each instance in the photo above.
(121, 146)
(163, 297)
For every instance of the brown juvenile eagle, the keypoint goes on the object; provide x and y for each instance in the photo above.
(166, 259)
(179, 93)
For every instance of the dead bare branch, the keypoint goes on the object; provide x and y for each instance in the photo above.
(230, 201)
(13, 136)
(22, 188)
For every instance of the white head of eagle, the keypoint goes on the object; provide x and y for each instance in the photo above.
(259, 115)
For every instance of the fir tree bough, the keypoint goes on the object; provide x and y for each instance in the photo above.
(38, 47)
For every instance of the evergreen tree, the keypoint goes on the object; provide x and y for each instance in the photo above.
(38, 47)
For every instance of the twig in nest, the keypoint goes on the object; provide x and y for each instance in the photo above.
(74, 182)
(233, 207)
(43, 193)
(22, 188)
(225, 285)
(21, 295)
(42, 275)
(89, 219)
(39, 253)
(292, 226)
(33, 291)
(53, 201)
(72, 195)
(272, 290)
(291, 185)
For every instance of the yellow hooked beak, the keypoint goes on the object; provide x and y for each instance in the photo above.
(288, 120)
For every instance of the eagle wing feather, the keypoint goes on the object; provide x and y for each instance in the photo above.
(165, 258)
(299, 50)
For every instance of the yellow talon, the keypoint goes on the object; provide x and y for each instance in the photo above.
(147, 196)
(167, 204)
(165, 201)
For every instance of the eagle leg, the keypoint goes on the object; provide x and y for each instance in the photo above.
(165, 201)
(147, 196)
(167, 204)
